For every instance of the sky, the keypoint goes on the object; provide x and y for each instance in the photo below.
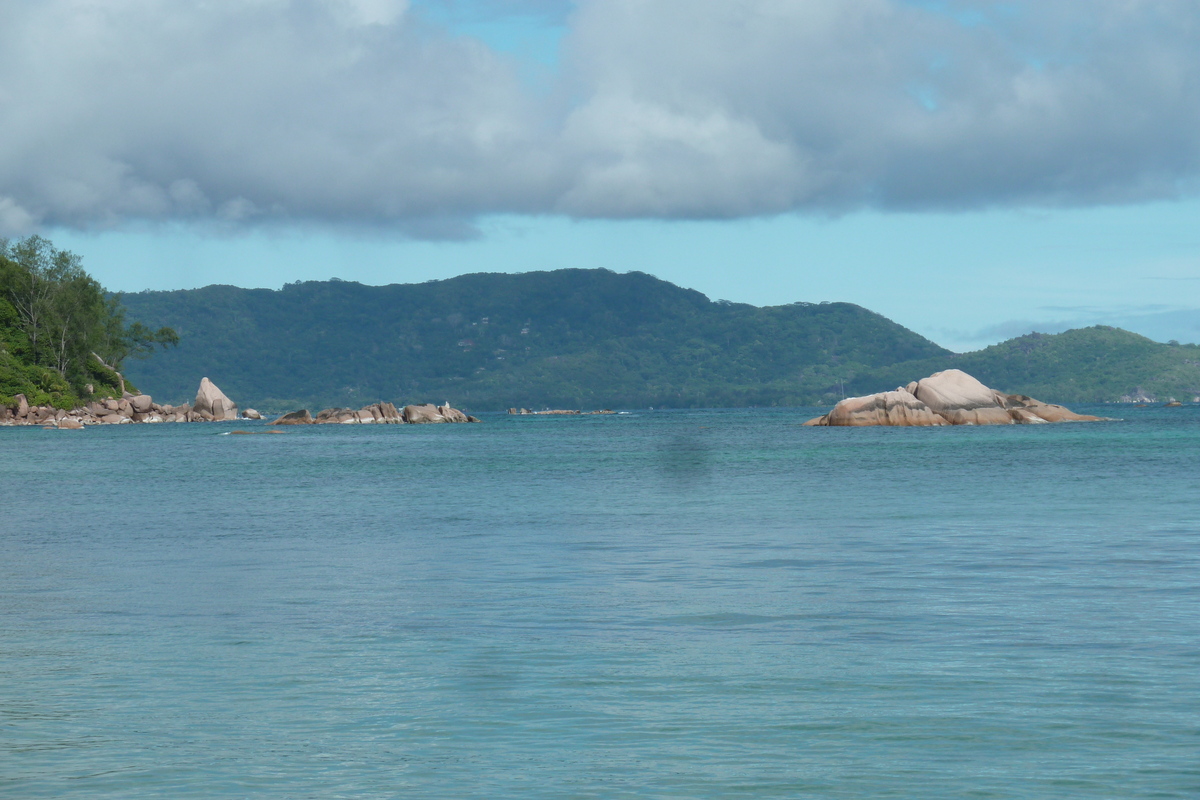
(973, 170)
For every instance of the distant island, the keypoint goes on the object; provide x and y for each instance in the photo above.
(571, 339)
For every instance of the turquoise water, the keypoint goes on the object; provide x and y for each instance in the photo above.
(717, 604)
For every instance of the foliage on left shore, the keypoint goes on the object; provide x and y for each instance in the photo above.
(63, 339)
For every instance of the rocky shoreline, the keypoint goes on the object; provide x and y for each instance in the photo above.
(211, 405)
(951, 397)
(377, 414)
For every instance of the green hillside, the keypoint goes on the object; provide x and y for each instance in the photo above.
(1086, 365)
(62, 340)
(572, 338)
(593, 338)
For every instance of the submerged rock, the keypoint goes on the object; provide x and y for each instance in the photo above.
(951, 397)
(301, 417)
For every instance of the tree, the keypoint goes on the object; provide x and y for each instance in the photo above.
(30, 286)
(66, 323)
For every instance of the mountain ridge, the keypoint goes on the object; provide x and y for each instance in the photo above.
(575, 338)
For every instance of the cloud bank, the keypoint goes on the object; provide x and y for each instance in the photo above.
(365, 112)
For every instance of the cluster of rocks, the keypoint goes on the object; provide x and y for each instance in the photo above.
(557, 412)
(210, 405)
(951, 397)
(379, 413)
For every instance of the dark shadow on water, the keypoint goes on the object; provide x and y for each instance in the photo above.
(685, 459)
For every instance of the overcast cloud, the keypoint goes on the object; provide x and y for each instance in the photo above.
(363, 112)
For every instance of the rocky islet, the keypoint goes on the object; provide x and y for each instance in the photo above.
(950, 397)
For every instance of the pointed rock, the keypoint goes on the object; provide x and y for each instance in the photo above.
(212, 401)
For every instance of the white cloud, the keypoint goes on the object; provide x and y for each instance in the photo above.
(369, 12)
(362, 112)
(14, 220)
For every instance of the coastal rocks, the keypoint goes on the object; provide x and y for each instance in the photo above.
(301, 417)
(129, 408)
(383, 413)
(213, 405)
(960, 399)
(212, 401)
(886, 408)
(386, 412)
(376, 414)
(452, 414)
(418, 415)
(1138, 395)
(951, 397)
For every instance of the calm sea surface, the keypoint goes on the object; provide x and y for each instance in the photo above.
(710, 604)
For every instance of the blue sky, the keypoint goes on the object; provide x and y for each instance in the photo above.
(973, 170)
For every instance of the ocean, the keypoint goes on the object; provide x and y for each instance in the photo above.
(657, 604)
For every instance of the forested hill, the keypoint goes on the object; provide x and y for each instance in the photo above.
(569, 338)
(63, 339)
(1086, 365)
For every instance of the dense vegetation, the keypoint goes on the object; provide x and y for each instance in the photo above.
(63, 340)
(592, 338)
(1086, 365)
(569, 338)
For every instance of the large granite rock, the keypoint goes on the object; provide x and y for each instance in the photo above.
(886, 408)
(452, 414)
(211, 401)
(141, 403)
(422, 414)
(951, 397)
(431, 413)
(960, 399)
